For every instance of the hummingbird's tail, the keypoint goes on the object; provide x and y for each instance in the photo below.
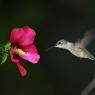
(89, 55)
(92, 58)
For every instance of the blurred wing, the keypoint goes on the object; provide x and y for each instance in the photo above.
(87, 38)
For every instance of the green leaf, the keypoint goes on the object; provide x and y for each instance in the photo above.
(4, 58)
(7, 46)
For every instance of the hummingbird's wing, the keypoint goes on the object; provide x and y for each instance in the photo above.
(86, 39)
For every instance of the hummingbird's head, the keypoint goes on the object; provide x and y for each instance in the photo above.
(61, 44)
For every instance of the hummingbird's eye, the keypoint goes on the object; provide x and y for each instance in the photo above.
(59, 42)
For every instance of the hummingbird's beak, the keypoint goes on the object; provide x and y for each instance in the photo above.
(55, 45)
(49, 48)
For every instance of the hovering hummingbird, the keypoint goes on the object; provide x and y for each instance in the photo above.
(79, 47)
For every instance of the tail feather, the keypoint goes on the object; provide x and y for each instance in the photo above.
(92, 58)
(89, 55)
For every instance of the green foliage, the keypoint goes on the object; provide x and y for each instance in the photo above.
(4, 58)
(4, 52)
(7, 46)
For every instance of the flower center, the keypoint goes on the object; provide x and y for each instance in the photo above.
(20, 52)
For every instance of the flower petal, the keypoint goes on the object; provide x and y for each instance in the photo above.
(13, 56)
(22, 70)
(16, 34)
(31, 54)
(32, 57)
(28, 37)
(22, 36)
(16, 60)
(30, 48)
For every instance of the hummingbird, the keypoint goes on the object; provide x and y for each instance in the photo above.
(78, 48)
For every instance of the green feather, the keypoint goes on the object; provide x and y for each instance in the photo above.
(88, 54)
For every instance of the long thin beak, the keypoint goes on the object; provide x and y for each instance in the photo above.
(51, 47)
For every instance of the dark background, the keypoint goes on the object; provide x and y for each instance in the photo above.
(58, 71)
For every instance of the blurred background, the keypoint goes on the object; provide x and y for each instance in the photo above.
(58, 71)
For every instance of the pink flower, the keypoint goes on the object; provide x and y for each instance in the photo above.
(22, 47)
